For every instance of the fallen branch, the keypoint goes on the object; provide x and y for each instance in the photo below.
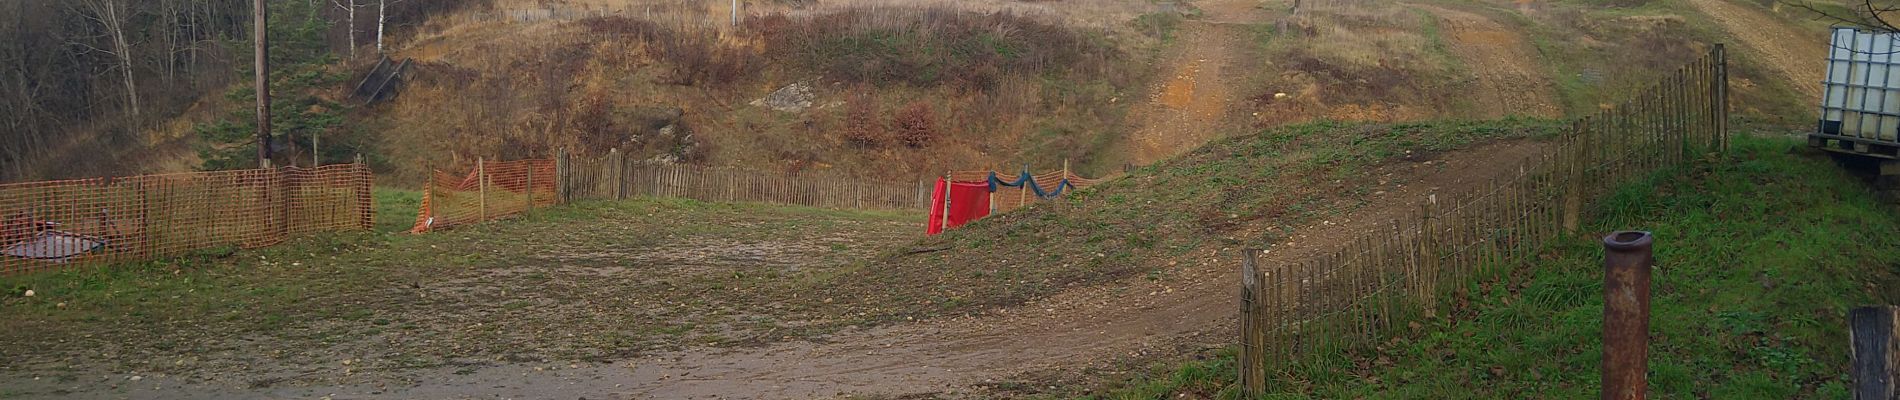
(921, 250)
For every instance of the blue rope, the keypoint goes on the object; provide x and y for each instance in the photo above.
(1027, 180)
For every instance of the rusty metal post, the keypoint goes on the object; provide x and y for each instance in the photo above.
(1626, 263)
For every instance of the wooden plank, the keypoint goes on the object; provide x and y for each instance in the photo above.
(1874, 335)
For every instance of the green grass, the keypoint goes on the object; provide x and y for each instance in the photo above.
(1179, 210)
(396, 208)
(572, 282)
(1161, 25)
(1759, 255)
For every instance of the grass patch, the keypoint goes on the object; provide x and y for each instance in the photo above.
(1759, 255)
(396, 209)
(586, 281)
(1365, 64)
(1243, 189)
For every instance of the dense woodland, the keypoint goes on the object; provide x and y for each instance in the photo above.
(88, 76)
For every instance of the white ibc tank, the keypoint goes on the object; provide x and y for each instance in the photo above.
(1861, 96)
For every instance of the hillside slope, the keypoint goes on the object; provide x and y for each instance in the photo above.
(900, 90)
(1750, 297)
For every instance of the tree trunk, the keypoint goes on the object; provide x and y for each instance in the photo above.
(382, 20)
(111, 13)
(351, 10)
(260, 46)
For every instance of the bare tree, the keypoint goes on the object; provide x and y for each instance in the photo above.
(350, 8)
(382, 22)
(112, 15)
(1866, 14)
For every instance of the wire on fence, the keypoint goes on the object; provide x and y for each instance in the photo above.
(57, 224)
(1295, 309)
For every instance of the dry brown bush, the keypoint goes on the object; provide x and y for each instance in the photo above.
(863, 126)
(694, 56)
(916, 124)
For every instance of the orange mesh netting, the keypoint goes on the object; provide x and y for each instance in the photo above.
(51, 224)
(1007, 198)
(492, 189)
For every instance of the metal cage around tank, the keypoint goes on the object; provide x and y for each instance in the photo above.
(1860, 98)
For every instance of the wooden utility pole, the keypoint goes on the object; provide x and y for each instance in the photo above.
(261, 47)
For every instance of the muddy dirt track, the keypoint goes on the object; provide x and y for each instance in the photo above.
(1796, 54)
(1509, 79)
(1132, 319)
(1191, 105)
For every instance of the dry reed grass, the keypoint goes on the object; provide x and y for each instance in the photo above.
(1344, 61)
(496, 85)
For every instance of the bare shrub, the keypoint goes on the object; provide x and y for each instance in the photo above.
(916, 124)
(862, 125)
(937, 46)
(695, 57)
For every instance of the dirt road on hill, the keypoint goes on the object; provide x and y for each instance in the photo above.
(1796, 54)
(1509, 79)
(1191, 106)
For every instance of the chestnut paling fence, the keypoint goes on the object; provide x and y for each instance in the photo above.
(1293, 310)
(58, 224)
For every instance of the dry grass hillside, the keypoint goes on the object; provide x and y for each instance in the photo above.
(885, 90)
(1409, 60)
(902, 89)
(899, 89)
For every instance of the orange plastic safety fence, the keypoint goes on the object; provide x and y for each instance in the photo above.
(492, 189)
(1008, 198)
(55, 224)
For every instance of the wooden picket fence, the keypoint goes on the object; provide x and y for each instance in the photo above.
(1293, 311)
(614, 176)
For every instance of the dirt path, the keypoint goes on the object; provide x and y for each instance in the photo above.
(1795, 54)
(1191, 306)
(1509, 79)
(1192, 106)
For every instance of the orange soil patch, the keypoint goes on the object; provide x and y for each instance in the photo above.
(1179, 91)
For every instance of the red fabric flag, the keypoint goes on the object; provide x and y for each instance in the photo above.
(936, 209)
(969, 201)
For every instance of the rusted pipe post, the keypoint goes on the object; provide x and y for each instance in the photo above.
(1626, 262)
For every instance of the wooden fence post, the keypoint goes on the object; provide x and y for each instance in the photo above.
(562, 167)
(1253, 375)
(619, 168)
(1721, 97)
(1573, 190)
(481, 189)
(365, 196)
(1874, 332)
(532, 169)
